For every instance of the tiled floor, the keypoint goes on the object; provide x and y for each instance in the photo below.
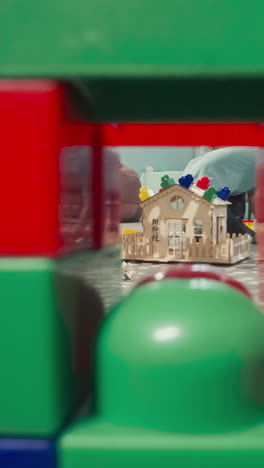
(245, 272)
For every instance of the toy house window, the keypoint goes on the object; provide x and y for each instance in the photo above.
(176, 228)
(155, 230)
(198, 229)
(177, 203)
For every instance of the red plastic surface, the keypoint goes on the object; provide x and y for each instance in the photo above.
(191, 134)
(50, 167)
(259, 201)
(31, 129)
(260, 192)
(106, 186)
(196, 271)
(48, 210)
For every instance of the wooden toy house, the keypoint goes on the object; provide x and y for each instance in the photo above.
(186, 225)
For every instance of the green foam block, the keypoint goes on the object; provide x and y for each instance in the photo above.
(47, 323)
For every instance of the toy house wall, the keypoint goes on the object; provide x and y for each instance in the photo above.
(194, 209)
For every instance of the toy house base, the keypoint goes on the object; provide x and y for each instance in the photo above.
(172, 262)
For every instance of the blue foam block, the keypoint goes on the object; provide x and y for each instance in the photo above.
(27, 453)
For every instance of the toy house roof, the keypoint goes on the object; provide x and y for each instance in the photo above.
(194, 190)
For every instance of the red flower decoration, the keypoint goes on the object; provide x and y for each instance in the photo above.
(203, 183)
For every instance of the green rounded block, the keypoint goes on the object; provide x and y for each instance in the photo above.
(182, 356)
(47, 323)
(179, 380)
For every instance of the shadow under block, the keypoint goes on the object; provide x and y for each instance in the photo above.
(178, 382)
(98, 268)
(47, 324)
(27, 453)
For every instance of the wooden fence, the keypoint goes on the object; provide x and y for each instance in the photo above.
(206, 251)
(239, 246)
(232, 249)
(136, 246)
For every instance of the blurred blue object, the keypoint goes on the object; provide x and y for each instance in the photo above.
(27, 453)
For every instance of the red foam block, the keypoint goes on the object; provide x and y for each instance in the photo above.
(50, 166)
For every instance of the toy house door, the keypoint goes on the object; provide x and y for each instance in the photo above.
(220, 229)
(176, 235)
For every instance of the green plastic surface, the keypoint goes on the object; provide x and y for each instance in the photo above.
(138, 39)
(141, 60)
(104, 445)
(179, 382)
(45, 318)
